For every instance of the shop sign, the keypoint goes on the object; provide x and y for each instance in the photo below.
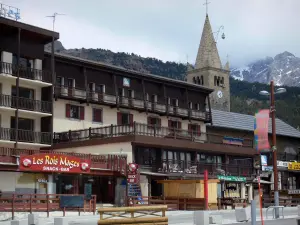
(294, 192)
(294, 166)
(54, 163)
(42, 180)
(267, 168)
(133, 175)
(282, 164)
(232, 178)
(9, 12)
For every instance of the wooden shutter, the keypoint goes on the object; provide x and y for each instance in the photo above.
(119, 118)
(189, 128)
(131, 119)
(179, 125)
(68, 108)
(159, 122)
(97, 115)
(199, 130)
(81, 111)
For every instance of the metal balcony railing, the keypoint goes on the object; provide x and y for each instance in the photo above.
(146, 130)
(25, 104)
(11, 134)
(27, 73)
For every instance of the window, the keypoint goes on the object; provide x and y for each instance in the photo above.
(23, 92)
(125, 118)
(23, 123)
(75, 112)
(91, 87)
(196, 106)
(24, 62)
(194, 129)
(99, 88)
(59, 81)
(174, 124)
(154, 121)
(70, 83)
(97, 115)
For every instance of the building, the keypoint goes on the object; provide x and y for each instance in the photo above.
(209, 71)
(288, 143)
(159, 123)
(26, 114)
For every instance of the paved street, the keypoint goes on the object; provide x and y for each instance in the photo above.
(175, 218)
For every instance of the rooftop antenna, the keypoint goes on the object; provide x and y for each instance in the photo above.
(54, 17)
(206, 5)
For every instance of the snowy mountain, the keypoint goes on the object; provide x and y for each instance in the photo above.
(284, 69)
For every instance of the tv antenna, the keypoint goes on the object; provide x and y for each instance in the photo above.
(54, 17)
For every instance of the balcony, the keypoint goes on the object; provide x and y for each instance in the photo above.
(26, 74)
(149, 130)
(136, 103)
(25, 136)
(107, 162)
(197, 168)
(8, 101)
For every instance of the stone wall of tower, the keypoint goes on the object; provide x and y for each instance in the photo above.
(208, 75)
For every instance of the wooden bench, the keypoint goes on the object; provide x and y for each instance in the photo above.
(155, 215)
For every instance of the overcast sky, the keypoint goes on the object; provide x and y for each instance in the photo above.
(171, 29)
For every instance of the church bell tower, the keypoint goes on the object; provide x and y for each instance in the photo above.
(209, 72)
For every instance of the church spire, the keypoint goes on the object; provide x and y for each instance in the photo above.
(208, 55)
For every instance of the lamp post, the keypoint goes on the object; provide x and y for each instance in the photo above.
(274, 149)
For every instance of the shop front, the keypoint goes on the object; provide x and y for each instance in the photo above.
(66, 174)
(235, 187)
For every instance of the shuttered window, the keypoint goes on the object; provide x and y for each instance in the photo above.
(97, 115)
(74, 112)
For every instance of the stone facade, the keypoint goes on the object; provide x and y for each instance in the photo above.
(209, 71)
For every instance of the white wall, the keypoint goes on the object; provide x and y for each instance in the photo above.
(61, 123)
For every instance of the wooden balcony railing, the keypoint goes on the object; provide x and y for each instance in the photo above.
(109, 161)
(146, 130)
(197, 168)
(137, 102)
(27, 73)
(10, 134)
(25, 104)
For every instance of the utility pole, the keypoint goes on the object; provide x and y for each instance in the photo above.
(274, 150)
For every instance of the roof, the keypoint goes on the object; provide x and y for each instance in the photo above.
(121, 69)
(43, 33)
(208, 55)
(245, 122)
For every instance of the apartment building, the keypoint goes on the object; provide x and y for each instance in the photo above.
(26, 114)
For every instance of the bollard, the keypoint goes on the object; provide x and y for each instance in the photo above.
(33, 219)
(253, 212)
(61, 221)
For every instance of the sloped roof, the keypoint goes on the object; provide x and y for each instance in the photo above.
(245, 122)
(208, 55)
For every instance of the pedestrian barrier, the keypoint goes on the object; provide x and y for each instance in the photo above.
(41, 203)
(172, 203)
(155, 215)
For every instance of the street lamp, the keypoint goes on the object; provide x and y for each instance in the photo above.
(274, 149)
